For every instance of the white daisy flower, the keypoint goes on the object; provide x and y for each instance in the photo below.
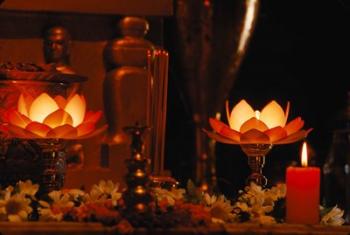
(219, 207)
(103, 191)
(171, 196)
(27, 188)
(15, 208)
(54, 211)
(263, 219)
(333, 217)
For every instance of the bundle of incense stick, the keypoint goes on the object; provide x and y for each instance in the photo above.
(158, 61)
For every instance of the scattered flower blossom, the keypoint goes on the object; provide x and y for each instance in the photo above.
(14, 208)
(54, 211)
(28, 188)
(105, 190)
(169, 196)
(171, 207)
(220, 208)
(333, 217)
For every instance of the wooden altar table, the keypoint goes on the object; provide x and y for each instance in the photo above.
(67, 228)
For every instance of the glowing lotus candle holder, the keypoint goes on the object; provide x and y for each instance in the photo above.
(51, 118)
(36, 118)
(257, 131)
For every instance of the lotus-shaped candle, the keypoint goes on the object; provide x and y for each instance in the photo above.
(51, 118)
(256, 132)
(39, 111)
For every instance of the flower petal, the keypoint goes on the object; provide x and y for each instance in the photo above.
(276, 133)
(294, 137)
(95, 133)
(92, 116)
(286, 113)
(228, 113)
(41, 107)
(61, 101)
(38, 128)
(253, 123)
(18, 119)
(254, 136)
(76, 108)
(85, 128)
(273, 115)
(240, 114)
(24, 104)
(58, 118)
(14, 218)
(294, 125)
(64, 132)
(4, 128)
(224, 130)
(22, 133)
(220, 138)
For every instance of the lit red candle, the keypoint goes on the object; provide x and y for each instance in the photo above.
(303, 192)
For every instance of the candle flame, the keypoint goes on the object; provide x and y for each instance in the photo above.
(304, 155)
(257, 114)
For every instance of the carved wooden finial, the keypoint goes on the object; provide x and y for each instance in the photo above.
(134, 26)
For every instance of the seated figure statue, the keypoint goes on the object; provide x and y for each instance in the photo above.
(57, 49)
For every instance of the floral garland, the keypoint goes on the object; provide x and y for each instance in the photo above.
(171, 207)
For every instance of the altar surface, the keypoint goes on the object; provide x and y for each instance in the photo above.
(67, 228)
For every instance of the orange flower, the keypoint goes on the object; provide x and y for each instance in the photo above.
(97, 211)
(199, 214)
(46, 117)
(268, 126)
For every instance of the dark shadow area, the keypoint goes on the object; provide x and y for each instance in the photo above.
(299, 54)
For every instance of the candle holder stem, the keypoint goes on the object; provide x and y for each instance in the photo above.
(256, 160)
(53, 163)
(256, 165)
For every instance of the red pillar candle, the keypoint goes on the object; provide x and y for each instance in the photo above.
(303, 193)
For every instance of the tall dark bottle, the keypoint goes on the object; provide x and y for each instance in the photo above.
(336, 169)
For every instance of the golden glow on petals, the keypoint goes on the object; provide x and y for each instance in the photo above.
(273, 115)
(58, 118)
(24, 103)
(228, 114)
(299, 135)
(52, 118)
(41, 107)
(76, 108)
(265, 127)
(65, 131)
(21, 132)
(221, 138)
(224, 130)
(253, 123)
(85, 128)
(61, 101)
(276, 133)
(254, 136)
(94, 133)
(38, 128)
(93, 116)
(286, 114)
(21, 106)
(294, 125)
(18, 119)
(240, 114)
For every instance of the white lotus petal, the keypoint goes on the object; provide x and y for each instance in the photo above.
(41, 107)
(76, 108)
(240, 114)
(273, 115)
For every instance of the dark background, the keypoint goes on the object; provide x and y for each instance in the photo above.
(298, 53)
